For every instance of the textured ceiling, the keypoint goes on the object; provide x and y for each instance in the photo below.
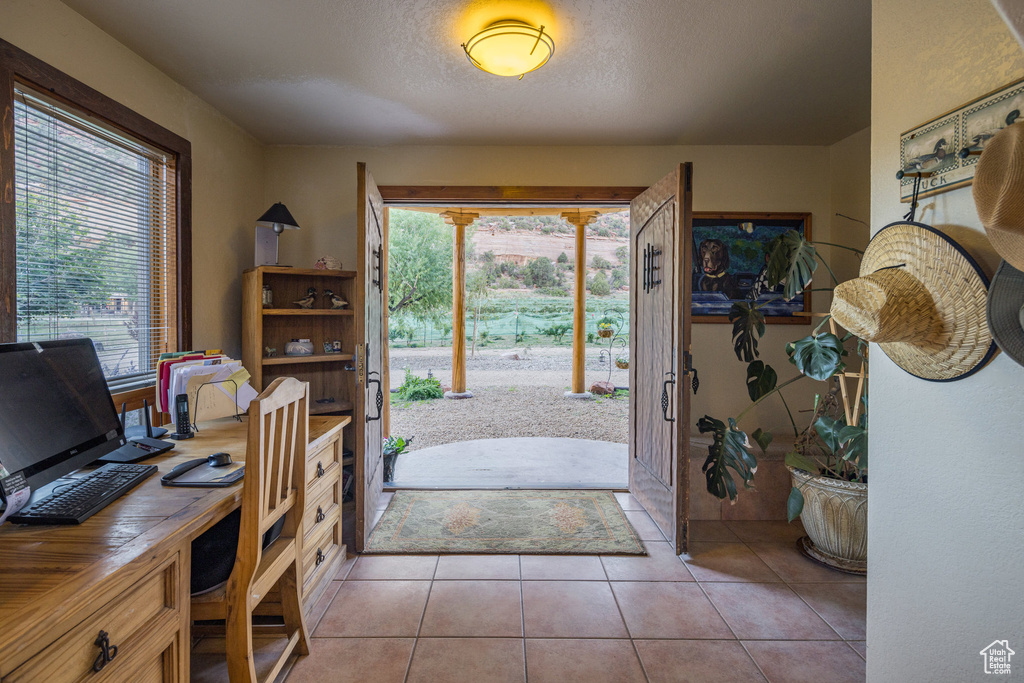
(639, 72)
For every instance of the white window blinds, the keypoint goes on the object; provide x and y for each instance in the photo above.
(95, 242)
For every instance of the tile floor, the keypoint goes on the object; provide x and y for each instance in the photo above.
(743, 605)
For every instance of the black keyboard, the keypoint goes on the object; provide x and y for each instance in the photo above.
(76, 501)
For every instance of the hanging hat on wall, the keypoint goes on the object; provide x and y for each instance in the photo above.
(999, 198)
(1006, 311)
(921, 298)
(999, 193)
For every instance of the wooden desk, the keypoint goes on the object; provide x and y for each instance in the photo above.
(126, 569)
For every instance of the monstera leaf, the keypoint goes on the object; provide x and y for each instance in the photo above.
(829, 429)
(854, 439)
(817, 356)
(761, 379)
(794, 504)
(791, 263)
(763, 439)
(730, 450)
(747, 326)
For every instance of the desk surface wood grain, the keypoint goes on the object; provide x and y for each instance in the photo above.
(50, 574)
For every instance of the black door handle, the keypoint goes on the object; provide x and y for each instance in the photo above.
(664, 396)
(380, 395)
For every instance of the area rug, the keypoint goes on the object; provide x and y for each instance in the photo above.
(505, 522)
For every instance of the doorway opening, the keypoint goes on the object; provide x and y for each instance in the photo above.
(529, 418)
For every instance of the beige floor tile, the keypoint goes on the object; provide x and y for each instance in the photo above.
(789, 563)
(860, 646)
(710, 530)
(645, 527)
(807, 662)
(383, 609)
(726, 562)
(346, 566)
(562, 568)
(697, 661)
(768, 611)
(660, 564)
(354, 660)
(582, 661)
(843, 606)
(467, 660)
(473, 608)
(317, 611)
(571, 609)
(668, 610)
(478, 567)
(773, 531)
(413, 567)
(627, 501)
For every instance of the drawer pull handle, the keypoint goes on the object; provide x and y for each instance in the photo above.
(319, 557)
(319, 469)
(107, 651)
(319, 514)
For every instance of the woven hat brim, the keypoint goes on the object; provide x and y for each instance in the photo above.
(1005, 299)
(959, 288)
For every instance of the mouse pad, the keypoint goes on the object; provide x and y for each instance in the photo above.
(203, 476)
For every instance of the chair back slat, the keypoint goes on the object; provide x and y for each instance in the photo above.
(275, 460)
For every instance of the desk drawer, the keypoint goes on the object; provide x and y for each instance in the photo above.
(128, 619)
(323, 502)
(318, 552)
(321, 464)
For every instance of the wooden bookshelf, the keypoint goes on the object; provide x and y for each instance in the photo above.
(274, 327)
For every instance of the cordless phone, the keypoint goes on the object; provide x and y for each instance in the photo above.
(184, 423)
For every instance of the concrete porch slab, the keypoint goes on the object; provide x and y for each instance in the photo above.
(535, 462)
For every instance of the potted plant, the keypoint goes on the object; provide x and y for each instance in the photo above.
(606, 327)
(828, 463)
(622, 362)
(393, 447)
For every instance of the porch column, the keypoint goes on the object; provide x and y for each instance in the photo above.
(579, 335)
(460, 220)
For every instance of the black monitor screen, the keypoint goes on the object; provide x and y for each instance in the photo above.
(56, 414)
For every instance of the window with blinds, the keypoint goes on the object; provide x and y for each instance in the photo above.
(95, 238)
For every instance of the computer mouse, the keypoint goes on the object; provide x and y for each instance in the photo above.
(218, 460)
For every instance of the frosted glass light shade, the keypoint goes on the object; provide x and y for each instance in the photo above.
(510, 48)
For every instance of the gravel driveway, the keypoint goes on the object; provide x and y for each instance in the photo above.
(510, 398)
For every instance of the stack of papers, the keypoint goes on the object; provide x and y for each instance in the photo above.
(216, 385)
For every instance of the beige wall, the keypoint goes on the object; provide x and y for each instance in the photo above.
(227, 176)
(319, 185)
(946, 522)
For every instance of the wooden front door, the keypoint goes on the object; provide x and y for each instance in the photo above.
(371, 393)
(661, 225)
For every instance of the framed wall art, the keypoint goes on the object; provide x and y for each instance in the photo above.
(730, 251)
(947, 148)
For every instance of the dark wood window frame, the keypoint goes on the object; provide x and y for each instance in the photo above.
(17, 66)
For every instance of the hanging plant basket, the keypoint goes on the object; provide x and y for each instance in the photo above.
(605, 333)
(622, 363)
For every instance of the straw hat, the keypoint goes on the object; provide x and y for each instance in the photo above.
(1006, 311)
(921, 298)
(999, 193)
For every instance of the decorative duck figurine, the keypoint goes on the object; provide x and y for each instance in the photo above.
(335, 300)
(307, 301)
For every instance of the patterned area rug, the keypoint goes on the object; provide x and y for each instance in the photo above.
(505, 522)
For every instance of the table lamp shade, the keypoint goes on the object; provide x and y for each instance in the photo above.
(278, 218)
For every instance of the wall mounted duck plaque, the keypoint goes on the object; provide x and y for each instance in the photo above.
(944, 151)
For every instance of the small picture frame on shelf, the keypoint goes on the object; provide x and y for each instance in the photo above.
(336, 345)
(328, 347)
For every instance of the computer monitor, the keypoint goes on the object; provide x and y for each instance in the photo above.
(56, 414)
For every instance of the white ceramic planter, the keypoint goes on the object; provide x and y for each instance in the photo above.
(835, 517)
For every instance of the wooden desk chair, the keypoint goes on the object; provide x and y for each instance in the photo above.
(273, 487)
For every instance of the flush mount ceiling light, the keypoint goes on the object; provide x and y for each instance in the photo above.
(509, 48)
